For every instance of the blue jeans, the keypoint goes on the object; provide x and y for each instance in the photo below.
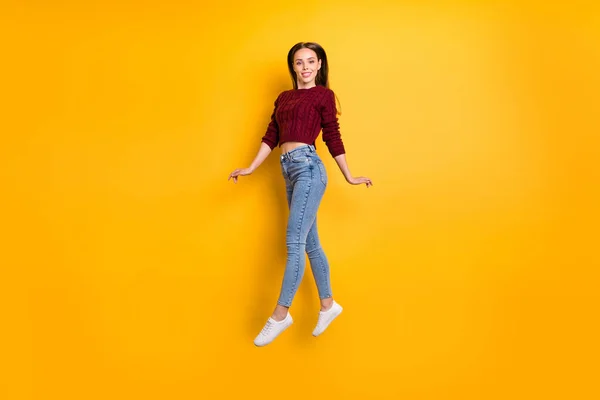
(305, 181)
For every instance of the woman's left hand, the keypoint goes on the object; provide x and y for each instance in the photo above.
(360, 180)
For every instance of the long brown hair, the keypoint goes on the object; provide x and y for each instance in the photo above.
(322, 78)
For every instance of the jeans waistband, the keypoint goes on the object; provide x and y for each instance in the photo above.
(309, 148)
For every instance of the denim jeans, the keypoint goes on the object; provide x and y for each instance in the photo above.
(305, 181)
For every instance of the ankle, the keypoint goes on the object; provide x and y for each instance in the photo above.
(280, 313)
(326, 304)
(278, 317)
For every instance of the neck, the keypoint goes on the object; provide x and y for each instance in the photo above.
(302, 85)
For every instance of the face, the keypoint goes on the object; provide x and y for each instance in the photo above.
(306, 66)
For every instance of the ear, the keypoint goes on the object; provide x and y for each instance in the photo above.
(319, 67)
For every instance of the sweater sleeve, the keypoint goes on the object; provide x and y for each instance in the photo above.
(271, 137)
(331, 126)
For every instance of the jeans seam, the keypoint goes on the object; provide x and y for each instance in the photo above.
(318, 253)
(327, 282)
(297, 265)
(322, 173)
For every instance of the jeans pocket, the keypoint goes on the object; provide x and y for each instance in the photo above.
(322, 172)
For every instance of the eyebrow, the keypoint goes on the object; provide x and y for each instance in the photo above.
(298, 59)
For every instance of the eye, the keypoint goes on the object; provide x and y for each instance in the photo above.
(312, 61)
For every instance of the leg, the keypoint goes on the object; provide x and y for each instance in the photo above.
(305, 188)
(281, 311)
(304, 202)
(330, 309)
(319, 266)
(318, 260)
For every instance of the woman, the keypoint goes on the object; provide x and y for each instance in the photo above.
(298, 117)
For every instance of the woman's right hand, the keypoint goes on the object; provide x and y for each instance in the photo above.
(240, 172)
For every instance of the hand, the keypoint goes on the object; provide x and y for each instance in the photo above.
(360, 180)
(240, 172)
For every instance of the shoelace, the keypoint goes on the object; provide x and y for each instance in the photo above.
(266, 328)
(320, 321)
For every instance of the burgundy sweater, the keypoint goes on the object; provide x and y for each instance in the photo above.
(299, 116)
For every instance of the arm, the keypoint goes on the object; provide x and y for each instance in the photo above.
(333, 140)
(343, 166)
(262, 154)
(263, 151)
(268, 143)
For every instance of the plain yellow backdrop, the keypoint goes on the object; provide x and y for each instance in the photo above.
(132, 269)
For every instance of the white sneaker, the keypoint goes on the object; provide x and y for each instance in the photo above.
(272, 329)
(326, 317)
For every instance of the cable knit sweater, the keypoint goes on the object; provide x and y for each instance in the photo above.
(300, 114)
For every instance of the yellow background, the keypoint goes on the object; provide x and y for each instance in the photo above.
(131, 268)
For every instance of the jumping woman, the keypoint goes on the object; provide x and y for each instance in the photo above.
(300, 114)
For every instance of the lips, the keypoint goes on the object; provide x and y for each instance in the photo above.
(306, 74)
